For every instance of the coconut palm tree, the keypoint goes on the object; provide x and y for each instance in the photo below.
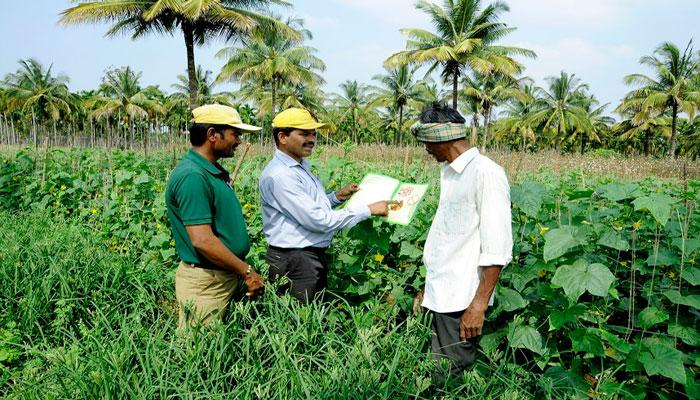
(560, 110)
(671, 90)
(486, 92)
(121, 98)
(270, 57)
(515, 116)
(642, 127)
(205, 88)
(353, 103)
(310, 97)
(39, 95)
(465, 37)
(398, 89)
(599, 122)
(198, 21)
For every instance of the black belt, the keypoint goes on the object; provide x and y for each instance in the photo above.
(309, 248)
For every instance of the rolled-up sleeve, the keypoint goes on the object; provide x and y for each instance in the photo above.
(495, 225)
(293, 199)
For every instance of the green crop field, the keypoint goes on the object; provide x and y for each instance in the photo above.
(602, 299)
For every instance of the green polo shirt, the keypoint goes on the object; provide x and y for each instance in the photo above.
(199, 193)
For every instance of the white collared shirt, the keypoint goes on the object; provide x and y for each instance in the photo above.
(471, 229)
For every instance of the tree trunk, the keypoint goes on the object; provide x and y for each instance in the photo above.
(191, 71)
(474, 138)
(487, 118)
(400, 123)
(583, 141)
(674, 127)
(647, 142)
(36, 145)
(274, 94)
(354, 128)
(557, 140)
(455, 81)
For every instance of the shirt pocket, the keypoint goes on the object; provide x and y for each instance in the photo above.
(455, 218)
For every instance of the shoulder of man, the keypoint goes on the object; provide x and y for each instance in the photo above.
(485, 166)
(275, 173)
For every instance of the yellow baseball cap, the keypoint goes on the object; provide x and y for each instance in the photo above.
(296, 118)
(222, 115)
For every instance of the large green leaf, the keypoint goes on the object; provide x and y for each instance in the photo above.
(559, 318)
(618, 347)
(528, 197)
(651, 316)
(658, 205)
(410, 251)
(665, 361)
(692, 276)
(560, 240)
(525, 337)
(687, 334)
(580, 277)
(510, 300)
(587, 341)
(618, 191)
(691, 300)
(489, 343)
(614, 240)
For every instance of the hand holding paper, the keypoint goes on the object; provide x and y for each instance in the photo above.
(346, 191)
(406, 196)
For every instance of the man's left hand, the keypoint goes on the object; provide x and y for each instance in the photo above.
(346, 191)
(471, 323)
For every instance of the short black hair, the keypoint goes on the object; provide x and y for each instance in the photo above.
(198, 132)
(276, 131)
(440, 113)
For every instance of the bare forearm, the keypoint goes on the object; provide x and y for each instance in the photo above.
(215, 251)
(487, 284)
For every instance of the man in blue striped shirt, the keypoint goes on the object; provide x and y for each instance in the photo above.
(298, 216)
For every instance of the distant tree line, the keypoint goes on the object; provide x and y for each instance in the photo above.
(275, 69)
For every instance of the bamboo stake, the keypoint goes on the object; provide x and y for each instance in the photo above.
(246, 147)
(406, 159)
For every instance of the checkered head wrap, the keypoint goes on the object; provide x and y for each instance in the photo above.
(438, 132)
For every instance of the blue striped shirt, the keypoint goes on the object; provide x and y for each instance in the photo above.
(296, 210)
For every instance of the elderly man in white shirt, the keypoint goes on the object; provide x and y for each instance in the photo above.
(469, 241)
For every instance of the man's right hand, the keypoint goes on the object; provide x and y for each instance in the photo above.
(255, 285)
(417, 303)
(380, 208)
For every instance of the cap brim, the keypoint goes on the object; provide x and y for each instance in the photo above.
(246, 127)
(309, 126)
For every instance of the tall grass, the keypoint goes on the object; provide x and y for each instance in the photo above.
(82, 321)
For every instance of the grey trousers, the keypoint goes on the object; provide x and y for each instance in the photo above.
(447, 345)
(306, 271)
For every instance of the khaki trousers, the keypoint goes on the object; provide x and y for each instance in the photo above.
(203, 294)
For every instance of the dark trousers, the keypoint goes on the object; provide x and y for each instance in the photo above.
(305, 270)
(447, 345)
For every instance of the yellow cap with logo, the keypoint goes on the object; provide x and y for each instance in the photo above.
(221, 115)
(296, 118)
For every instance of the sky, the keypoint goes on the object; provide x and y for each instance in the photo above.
(600, 41)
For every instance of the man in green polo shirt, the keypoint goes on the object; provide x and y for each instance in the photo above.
(206, 219)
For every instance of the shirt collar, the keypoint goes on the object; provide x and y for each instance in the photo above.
(207, 165)
(287, 160)
(460, 163)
